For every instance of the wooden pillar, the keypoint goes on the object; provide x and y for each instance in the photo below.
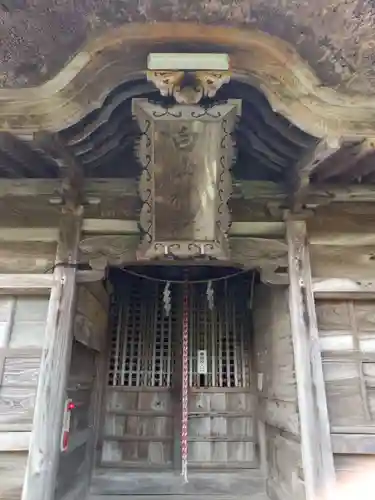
(44, 450)
(317, 457)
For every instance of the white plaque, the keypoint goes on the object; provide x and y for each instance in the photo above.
(202, 362)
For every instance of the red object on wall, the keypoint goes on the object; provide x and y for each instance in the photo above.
(69, 406)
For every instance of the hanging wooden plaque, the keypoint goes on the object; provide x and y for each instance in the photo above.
(186, 152)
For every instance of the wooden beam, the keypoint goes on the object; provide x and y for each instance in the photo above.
(264, 191)
(25, 157)
(352, 154)
(71, 170)
(356, 444)
(306, 166)
(110, 226)
(19, 283)
(90, 276)
(40, 283)
(342, 288)
(350, 193)
(14, 441)
(44, 451)
(344, 229)
(30, 234)
(117, 226)
(130, 227)
(316, 446)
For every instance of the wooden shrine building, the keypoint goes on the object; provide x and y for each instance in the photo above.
(187, 250)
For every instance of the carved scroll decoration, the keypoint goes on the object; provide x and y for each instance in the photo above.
(268, 256)
(109, 250)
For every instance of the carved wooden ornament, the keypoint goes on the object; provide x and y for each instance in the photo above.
(186, 153)
(188, 87)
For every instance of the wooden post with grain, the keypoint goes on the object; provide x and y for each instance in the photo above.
(317, 458)
(44, 451)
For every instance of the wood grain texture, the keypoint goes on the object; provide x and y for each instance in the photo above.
(30, 283)
(20, 357)
(138, 438)
(221, 428)
(338, 261)
(285, 471)
(316, 447)
(32, 257)
(43, 458)
(277, 392)
(85, 381)
(336, 288)
(347, 339)
(16, 406)
(116, 482)
(75, 463)
(353, 444)
(90, 322)
(12, 471)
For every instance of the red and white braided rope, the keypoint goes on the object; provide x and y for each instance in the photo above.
(185, 383)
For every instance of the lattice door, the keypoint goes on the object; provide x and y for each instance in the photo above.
(143, 336)
(145, 364)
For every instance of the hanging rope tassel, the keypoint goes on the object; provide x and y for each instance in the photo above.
(185, 383)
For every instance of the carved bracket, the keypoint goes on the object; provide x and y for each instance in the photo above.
(109, 250)
(269, 256)
(188, 87)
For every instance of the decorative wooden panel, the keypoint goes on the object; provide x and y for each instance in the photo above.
(138, 429)
(22, 324)
(12, 470)
(221, 428)
(347, 339)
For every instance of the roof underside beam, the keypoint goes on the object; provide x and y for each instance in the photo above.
(305, 168)
(96, 189)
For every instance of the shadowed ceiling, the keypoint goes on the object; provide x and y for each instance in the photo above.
(267, 144)
(104, 142)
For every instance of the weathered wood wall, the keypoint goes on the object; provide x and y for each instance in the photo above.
(342, 248)
(85, 384)
(138, 429)
(221, 428)
(278, 424)
(347, 339)
(27, 257)
(22, 325)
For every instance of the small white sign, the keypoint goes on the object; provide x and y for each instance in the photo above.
(260, 382)
(202, 362)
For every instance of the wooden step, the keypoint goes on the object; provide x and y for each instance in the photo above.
(258, 496)
(169, 483)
